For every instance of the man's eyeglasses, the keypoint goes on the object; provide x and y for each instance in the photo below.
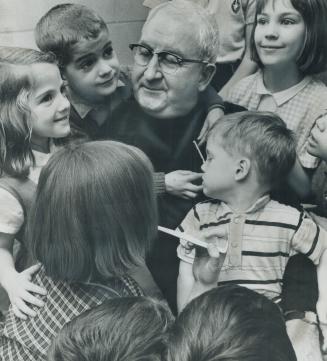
(169, 63)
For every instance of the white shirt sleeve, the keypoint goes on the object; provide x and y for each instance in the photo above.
(11, 213)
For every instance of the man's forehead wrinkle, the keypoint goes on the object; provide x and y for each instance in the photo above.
(175, 37)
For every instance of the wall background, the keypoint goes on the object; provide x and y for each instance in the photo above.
(124, 18)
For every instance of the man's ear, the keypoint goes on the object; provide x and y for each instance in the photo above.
(242, 169)
(207, 72)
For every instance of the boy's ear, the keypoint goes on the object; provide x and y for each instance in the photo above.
(207, 72)
(242, 169)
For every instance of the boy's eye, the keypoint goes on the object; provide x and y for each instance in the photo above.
(108, 52)
(86, 64)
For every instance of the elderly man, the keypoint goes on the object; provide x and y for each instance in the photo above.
(174, 63)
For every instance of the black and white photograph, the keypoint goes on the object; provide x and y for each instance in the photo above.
(163, 180)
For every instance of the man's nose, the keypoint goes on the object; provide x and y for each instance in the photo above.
(153, 70)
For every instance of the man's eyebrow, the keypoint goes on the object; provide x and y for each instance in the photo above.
(165, 50)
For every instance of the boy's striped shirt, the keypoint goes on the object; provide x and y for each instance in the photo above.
(260, 241)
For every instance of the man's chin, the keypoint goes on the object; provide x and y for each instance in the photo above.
(152, 105)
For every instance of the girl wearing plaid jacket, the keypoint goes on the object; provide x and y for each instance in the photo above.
(92, 222)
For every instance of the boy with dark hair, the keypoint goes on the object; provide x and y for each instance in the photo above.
(81, 41)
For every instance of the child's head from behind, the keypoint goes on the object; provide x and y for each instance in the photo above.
(291, 32)
(98, 212)
(80, 39)
(122, 329)
(33, 106)
(245, 143)
(230, 323)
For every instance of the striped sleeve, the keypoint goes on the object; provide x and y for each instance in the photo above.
(190, 225)
(310, 240)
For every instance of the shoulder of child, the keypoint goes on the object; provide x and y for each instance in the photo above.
(313, 96)
(244, 86)
(282, 213)
(11, 212)
(202, 209)
(208, 204)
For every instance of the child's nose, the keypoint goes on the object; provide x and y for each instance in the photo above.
(271, 31)
(104, 67)
(203, 167)
(64, 104)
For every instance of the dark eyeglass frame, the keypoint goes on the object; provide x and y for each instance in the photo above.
(180, 60)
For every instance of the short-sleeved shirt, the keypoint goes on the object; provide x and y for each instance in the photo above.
(11, 211)
(260, 241)
(299, 106)
(232, 17)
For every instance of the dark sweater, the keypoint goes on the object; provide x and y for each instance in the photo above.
(168, 144)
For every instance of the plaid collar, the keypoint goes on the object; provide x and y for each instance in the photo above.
(283, 96)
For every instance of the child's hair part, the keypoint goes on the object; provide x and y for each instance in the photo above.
(313, 58)
(65, 25)
(262, 137)
(121, 329)
(16, 84)
(230, 323)
(98, 212)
